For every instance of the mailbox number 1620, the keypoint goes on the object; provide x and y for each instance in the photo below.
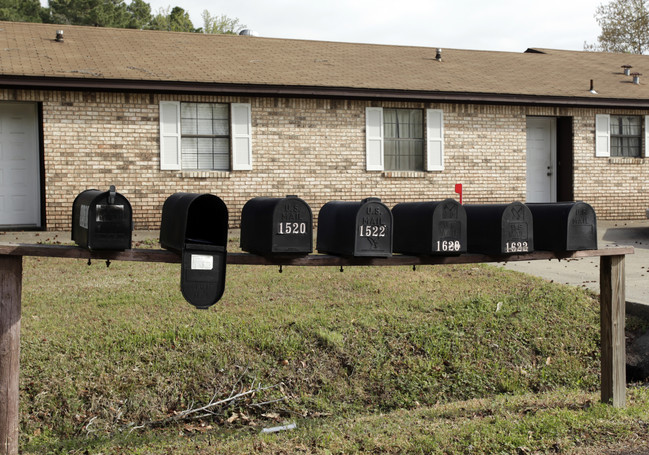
(371, 231)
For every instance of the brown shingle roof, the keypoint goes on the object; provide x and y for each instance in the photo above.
(91, 56)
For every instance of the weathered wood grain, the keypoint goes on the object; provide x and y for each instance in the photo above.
(315, 260)
(612, 312)
(10, 295)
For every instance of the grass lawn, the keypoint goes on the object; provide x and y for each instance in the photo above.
(445, 359)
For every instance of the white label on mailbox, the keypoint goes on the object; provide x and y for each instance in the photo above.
(202, 262)
(83, 216)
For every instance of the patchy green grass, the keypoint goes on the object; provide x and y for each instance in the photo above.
(447, 359)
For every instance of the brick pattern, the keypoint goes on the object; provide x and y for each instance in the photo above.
(314, 148)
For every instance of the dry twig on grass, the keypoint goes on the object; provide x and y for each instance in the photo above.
(216, 406)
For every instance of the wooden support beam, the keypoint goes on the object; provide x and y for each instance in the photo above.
(10, 294)
(311, 260)
(613, 358)
(611, 306)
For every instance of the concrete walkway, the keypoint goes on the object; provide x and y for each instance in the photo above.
(585, 272)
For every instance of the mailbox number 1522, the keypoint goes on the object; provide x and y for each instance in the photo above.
(371, 231)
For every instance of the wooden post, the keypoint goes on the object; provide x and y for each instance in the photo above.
(612, 301)
(11, 269)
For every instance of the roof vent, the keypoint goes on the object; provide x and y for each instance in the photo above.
(438, 55)
(636, 78)
(59, 36)
(592, 87)
(627, 69)
(248, 32)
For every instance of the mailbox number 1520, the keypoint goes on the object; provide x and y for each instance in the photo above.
(371, 231)
(292, 228)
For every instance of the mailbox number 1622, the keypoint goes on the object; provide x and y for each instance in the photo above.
(371, 231)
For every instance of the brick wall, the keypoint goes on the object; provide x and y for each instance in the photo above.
(314, 148)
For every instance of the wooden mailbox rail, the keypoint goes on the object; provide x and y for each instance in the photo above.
(612, 311)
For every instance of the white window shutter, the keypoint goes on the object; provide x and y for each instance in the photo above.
(169, 135)
(646, 136)
(241, 137)
(374, 138)
(602, 135)
(434, 140)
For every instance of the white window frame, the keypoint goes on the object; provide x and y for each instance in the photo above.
(374, 139)
(603, 136)
(240, 137)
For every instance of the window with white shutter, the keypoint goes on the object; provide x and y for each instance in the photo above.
(205, 136)
(395, 139)
(621, 136)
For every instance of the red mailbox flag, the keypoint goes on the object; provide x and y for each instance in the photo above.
(458, 190)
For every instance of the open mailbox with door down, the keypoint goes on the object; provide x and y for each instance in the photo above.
(430, 228)
(361, 229)
(499, 228)
(277, 226)
(196, 227)
(102, 220)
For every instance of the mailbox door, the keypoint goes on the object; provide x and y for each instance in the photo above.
(112, 224)
(202, 280)
(564, 226)
(582, 228)
(449, 228)
(292, 227)
(517, 229)
(81, 216)
(373, 235)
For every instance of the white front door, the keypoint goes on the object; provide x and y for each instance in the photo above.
(19, 166)
(541, 159)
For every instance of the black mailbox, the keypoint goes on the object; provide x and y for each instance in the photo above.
(499, 228)
(355, 228)
(196, 227)
(277, 226)
(430, 228)
(564, 226)
(102, 220)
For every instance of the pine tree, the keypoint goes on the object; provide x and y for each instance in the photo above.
(21, 10)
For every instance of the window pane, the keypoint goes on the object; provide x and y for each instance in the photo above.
(189, 153)
(220, 111)
(204, 145)
(204, 127)
(389, 123)
(631, 126)
(403, 123)
(205, 130)
(188, 126)
(205, 161)
(188, 110)
(626, 135)
(403, 139)
(221, 151)
(204, 110)
(417, 125)
(221, 127)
